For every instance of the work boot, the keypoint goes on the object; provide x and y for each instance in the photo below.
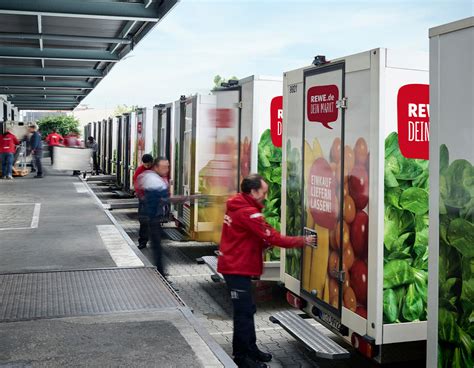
(38, 176)
(247, 362)
(261, 356)
(141, 246)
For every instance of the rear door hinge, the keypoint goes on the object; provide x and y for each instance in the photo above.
(342, 103)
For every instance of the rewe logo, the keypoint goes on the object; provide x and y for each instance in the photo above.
(321, 104)
(276, 120)
(413, 110)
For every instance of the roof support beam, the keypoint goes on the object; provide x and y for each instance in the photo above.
(22, 83)
(55, 108)
(58, 37)
(57, 54)
(41, 92)
(45, 105)
(48, 99)
(50, 72)
(83, 9)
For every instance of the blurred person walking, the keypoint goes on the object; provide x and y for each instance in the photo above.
(92, 144)
(53, 139)
(8, 143)
(245, 236)
(147, 164)
(36, 147)
(156, 196)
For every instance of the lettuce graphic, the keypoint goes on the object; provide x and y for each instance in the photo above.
(269, 166)
(405, 235)
(456, 263)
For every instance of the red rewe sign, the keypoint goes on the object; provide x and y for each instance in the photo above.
(413, 110)
(321, 104)
(276, 120)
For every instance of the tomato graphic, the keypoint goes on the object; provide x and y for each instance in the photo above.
(359, 280)
(361, 151)
(359, 186)
(360, 234)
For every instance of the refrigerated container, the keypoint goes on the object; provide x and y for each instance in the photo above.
(193, 137)
(163, 133)
(143, 127)
(128, 137)
(109, 145)
(176, 147)
(451, 281)
(113, 151)
(102, 142)
(87, 131)
(119, 158)
(248, 122)
(355, 173)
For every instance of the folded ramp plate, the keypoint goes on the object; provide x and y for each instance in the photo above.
(322, 345)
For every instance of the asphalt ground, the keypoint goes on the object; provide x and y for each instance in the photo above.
(66, 294)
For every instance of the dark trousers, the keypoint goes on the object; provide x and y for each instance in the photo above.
(143, 220)
(95, 163)
(51, 154)
(154, 227)
(7, 163)
(244, 340)
(38, 165)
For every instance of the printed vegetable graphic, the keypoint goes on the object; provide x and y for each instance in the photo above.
(245, 152)
(294, 213)
(319, 261)
(323, 195)
(456, 263)
(269, 166)
(359, 280)
(405, 236)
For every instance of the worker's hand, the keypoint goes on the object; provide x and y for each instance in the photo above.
(311, 240)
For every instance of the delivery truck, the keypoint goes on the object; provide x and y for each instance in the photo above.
(248, 121)
(451, 269)
(355, 174)
(192, 142)
(120, 148)
(142, 137)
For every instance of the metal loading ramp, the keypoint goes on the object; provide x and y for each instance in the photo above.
(315, 340)
(174, 234)
(211, 262)
(27, 296)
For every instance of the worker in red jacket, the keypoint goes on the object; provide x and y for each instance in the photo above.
(245, 235)
(147, 164)
(8, 143)
(53, 139)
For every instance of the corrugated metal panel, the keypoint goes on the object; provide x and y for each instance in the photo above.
(82, 26)
(18, 23)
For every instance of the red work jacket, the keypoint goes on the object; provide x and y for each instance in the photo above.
(54, 139)
(8, 141)
(245, 235)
